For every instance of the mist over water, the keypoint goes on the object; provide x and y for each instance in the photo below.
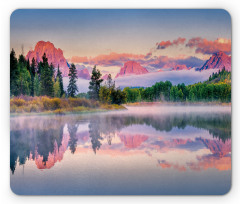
(146, 80)
(149, 150)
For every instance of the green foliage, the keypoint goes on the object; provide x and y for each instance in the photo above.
(110, 94)
(132, 94)
(59, 76)
(83, 95)
(24, 80)
(14, 74)
(36, 86)
(72, 86)
(32, 70)
(56, 88)
(46, 78)
(165, 91)
(220, 76)
(37, 79)
(95, 84)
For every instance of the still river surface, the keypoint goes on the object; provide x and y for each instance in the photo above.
(145, 150)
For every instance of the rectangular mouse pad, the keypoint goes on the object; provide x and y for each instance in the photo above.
(120, 102)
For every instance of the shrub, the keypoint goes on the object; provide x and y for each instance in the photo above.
(13, 108)
(17, 101)
(59, 112)
(33, 108)
(46, 103)
(55, 103)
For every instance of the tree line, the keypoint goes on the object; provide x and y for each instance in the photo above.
(41, 79)
(34, 78)
(202, 91)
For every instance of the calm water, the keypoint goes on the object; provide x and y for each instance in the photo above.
(143, 150)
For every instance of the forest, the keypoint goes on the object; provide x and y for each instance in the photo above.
(39, 86)
(216, 88)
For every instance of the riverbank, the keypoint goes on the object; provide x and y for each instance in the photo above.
(212, 103)
(48, 106)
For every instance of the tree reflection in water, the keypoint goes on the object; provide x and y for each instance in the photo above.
(72, 130)
(43, 136)
(94, 133)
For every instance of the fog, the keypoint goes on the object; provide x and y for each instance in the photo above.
(146, 80)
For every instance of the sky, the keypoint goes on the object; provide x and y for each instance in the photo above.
(95, 32)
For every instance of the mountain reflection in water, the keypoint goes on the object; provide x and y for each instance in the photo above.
(182, 142)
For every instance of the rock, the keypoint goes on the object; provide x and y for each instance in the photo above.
(54, 55)
(131, 68)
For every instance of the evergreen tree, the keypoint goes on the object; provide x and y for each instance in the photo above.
(52, 71)
(36, 86)
(24, 79)
(28, 65)
(39, 69)
(32, 74)
(33, 66)
(95, 83)
(72, 86)
(46, 78)
(14, 74)
(22, 61)
(56, 88)
(59, 76)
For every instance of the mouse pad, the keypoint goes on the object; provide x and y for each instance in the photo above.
(120, 102)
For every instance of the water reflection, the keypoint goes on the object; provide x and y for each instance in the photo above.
(180, 142)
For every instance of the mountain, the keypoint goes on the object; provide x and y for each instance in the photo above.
(132, 141)
(217, 147)
(55, 156)
(180, 67)
(83, 73)
(218, 61)
(131, 68)
(54, 55)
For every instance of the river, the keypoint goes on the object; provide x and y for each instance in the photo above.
(144, 150)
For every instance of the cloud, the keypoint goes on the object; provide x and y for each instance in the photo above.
(112, 59)
(205, 46)
(76, 59)
(153, 62)
(170, 62)
(165, 44)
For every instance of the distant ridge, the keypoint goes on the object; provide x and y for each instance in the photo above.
(131, 68)
(218, 61)
(54, 55)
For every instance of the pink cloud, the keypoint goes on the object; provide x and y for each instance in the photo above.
(205, 46)
(165, 44)
(112, 59)
(76, 59)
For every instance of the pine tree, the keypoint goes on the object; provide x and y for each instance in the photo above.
(24, 79)
(36, 86)
(46, 78)
(52, 70)
(32, 74)
(56, 88)
(14, 74)
(59, 76)
(33, 66)
(28, 65)
(95, 83)
(72, 86)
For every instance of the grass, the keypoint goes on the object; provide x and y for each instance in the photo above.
(46, 105)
